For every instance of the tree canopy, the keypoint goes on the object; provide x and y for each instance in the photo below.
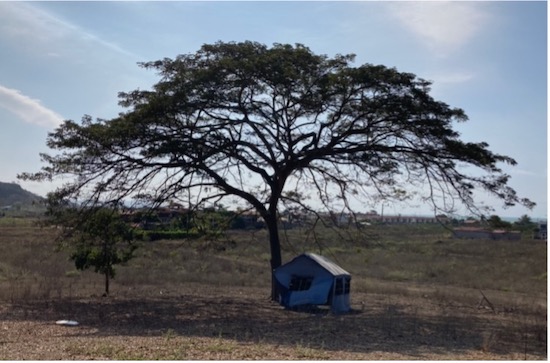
(96, 238)
(272, 125)
(496, 222)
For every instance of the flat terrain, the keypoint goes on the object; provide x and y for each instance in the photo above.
(179, 300)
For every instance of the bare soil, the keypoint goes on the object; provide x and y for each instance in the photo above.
(203, 322)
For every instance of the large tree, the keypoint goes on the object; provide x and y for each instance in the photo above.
(272, 125)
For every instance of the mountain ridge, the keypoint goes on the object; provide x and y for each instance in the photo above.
(13, 193)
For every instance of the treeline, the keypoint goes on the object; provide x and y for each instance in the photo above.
(178, 223)
(168, 223)
(523, 224)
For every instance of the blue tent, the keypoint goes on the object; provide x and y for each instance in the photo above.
(311, 279)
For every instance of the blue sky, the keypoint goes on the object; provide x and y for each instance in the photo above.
(61, 60)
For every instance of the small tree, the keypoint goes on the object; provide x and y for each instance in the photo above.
(98, 238)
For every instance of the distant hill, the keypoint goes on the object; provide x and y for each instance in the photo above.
(11, 193)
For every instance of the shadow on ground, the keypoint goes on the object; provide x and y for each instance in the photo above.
(382, 326)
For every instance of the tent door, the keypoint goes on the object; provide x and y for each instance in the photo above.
(340, 294)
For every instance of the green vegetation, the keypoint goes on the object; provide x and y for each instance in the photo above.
(525, 224)
(495, 222)
(96, 238)
(158, 235)
(102, 242)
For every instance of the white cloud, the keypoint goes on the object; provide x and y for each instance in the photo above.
(443, 27)
(27, 109)
(523, 172)
(43, 32)
(444, 80)
(453, 78)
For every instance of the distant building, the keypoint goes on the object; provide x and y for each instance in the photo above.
(247, 220)
(471, 223)
(541, 232)
(403, 219)
(482, 233)
(506, 235)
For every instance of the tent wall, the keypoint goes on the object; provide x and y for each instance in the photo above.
(300, 267)
(305, 281)
(316, 295)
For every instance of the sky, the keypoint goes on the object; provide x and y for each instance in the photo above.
(64, 60)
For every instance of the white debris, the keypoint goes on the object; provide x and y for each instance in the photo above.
(67, 322)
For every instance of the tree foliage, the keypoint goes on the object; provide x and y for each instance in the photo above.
(276, 125)
(525, 223)
(495, 222)
(97, 237)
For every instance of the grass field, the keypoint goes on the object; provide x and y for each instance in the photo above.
(416, 294)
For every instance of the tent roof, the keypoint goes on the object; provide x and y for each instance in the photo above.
(327, 264)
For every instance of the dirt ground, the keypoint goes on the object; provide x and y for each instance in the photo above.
(197, 322)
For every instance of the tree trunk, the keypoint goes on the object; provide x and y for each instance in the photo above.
(106, 283)
(275, 246)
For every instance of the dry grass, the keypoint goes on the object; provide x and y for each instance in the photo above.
(413, 299)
